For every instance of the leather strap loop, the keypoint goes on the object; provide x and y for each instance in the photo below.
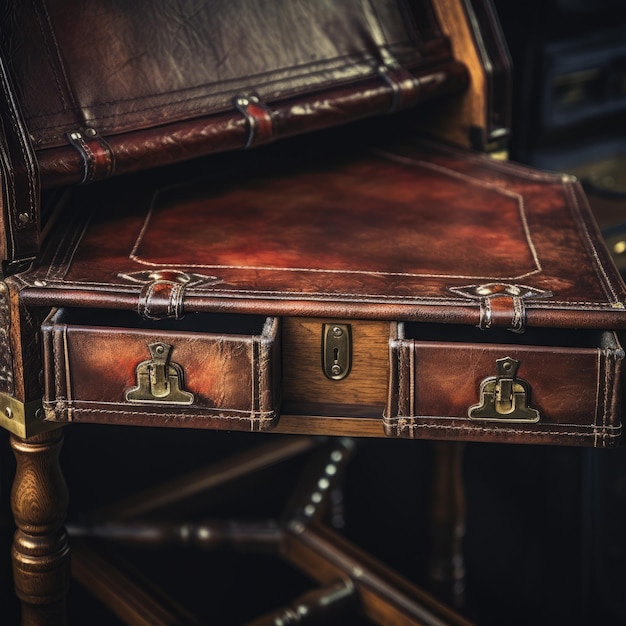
(162, 299)
(404, 86)
(98, 158)
(503, 312)
(259, 120)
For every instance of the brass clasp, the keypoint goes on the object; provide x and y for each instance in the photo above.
(504, 398)
(158, 380)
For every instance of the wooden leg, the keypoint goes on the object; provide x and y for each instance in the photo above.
(40, 546)
(447, 570)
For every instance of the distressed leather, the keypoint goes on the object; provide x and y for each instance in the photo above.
(342, 227)
(413, 232)
(228, 365)
(159, 80)
(435, 380)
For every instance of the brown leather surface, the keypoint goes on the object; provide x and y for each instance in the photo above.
(434, 383)
(416, 232)
(234, 377)
(6, 356)
(126, 67)
(19, 178)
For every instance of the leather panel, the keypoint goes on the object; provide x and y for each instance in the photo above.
(233, 377)
(433, 384)
(415, 232)
(118, 68)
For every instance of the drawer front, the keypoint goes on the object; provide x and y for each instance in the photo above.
(197, 374)
(310, 390)
(504, 392)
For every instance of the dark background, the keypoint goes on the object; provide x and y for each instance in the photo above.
(545, 536)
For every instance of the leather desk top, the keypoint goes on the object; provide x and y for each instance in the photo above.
(409, 233)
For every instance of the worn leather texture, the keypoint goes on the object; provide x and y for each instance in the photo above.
(341, 226)
(230, 367)
(160, 80)
(19, 178)
(435, 377)
(410, 232)
(7, 383)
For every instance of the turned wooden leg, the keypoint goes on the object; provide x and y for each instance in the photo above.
(40, 546)
(447, 570)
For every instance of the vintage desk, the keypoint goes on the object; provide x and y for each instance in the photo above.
(366, 274)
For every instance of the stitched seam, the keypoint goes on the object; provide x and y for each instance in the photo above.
(262, 416)
(277, 295)
(328, 271)
(611, 431)
(598, 377)
(253, 348)
(88, 157)
(9, 180)
(57, 271)
(51, 65)
(478, 183)
(417, 421)
(597, 266)
(345, 63)
(498, 166)
(28, 161)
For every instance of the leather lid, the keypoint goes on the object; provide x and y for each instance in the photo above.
(111, 86)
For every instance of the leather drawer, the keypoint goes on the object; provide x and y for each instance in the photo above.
(205, 371)
(545, 386)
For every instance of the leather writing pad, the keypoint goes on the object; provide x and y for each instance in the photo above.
(407, 233)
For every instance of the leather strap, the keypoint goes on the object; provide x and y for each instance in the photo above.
(259, 120)
(98, 158)
(20, 176)
(503, 312)
(404, 86)
(161, 299)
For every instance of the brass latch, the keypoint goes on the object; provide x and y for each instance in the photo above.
(158, 380)
(336, 350)
(504, 397)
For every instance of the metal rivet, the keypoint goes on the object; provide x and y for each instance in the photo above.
(323, 483)
(159, 349)
(243, 102)
(24, 218)
(337, 331)
(483, 291)
(90, 132)
(336, 456)
(309, 510)
(316, 497)
(336, 369)
(8, 412)
(331, 469)
(40, 283)
(75, 136)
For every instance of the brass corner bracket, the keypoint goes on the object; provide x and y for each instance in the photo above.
(23, 419)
